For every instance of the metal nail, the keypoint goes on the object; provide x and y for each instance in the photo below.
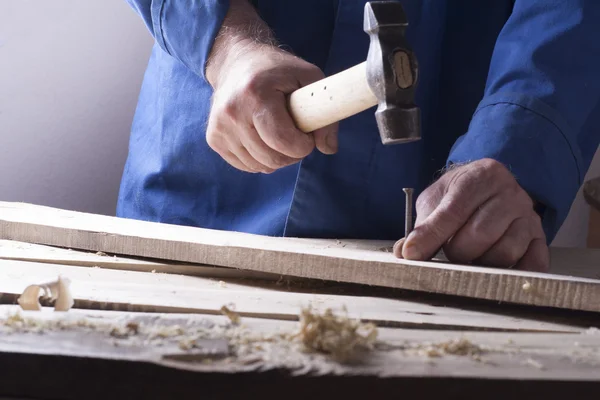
(408, 214)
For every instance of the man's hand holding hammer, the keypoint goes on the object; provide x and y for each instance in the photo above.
(250, 125)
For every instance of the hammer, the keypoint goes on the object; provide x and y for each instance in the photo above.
(388, 79)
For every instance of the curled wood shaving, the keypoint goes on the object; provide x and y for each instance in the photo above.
(343, 338)
(56, 291)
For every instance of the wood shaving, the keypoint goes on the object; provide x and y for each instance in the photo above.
(187, 343)
(344, 339)
(534, 363)
(455, 347)
(130, 328)
(57, 291)
(526, 286)
(101, 253)
(232, 315)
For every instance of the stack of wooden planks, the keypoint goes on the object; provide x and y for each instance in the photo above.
(157, 303)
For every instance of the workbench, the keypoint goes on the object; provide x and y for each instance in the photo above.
(163, 311)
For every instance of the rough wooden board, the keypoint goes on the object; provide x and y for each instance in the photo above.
(564, 261)
(349, 261)
(401, 352)
(138, 291)
(22, 251)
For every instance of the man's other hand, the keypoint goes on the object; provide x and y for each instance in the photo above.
(478, 213)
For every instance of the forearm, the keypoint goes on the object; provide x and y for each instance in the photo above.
(541, 102)
(242, 30)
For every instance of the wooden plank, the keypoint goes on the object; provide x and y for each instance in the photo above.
(22, 251)
(268, 344)
(95, 288)
(564, 261)
(344, 261)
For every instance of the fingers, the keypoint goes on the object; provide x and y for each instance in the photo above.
(537, 257)
(235, 162)
(277, 130)
(397, 250)
(463, 191)
(426, 238)
(326, 139)
(514, 243)
(270, 159)
(487, 225)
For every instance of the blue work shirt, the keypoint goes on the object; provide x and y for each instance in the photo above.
(516, 81)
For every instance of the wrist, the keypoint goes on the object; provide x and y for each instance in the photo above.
(242, 32)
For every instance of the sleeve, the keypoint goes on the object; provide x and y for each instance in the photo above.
(540, 114)
(184, 29)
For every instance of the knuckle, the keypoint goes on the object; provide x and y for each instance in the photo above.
(252, 87)
(428, 199)
(315, 72)
(214, 140)
(536, 220)
(422, 201)
(485, 169)
(228, 109)
(489, 164)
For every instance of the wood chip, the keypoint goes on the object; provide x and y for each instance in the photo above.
(57, 291)
(232, 315)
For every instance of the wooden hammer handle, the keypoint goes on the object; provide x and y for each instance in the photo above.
(332, 99)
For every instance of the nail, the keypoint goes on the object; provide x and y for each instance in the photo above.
(408, 212)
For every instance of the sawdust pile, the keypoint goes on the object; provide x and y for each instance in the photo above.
(344, 339)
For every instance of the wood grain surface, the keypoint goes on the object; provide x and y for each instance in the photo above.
(106, 289)
(364, 262)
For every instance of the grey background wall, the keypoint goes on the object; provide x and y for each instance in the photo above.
(70, 73)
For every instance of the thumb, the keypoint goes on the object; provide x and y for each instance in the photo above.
(326, 139)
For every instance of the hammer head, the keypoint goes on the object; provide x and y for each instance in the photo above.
(392, 72)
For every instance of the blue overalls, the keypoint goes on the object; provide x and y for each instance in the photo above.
(517, 81)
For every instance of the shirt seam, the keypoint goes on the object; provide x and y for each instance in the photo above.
(158, 27)
(564, 136)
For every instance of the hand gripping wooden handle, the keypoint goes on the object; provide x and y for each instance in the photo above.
(332, 99)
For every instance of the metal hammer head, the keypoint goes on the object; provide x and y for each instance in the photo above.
(392, 72)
